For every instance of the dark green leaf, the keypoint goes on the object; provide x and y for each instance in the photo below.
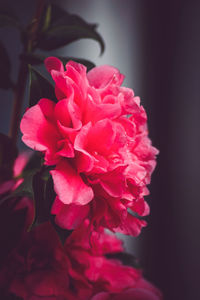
(26, 187)
(37, 59)
(66, 28)
(40, 87)
(8, 154)
(8, 20)
(29, 172)
(126, 259)
(5, 80)
(57, 14)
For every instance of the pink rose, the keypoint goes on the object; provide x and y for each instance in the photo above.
(103, 159)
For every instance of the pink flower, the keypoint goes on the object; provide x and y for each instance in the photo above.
(41, 267)
(103, 159)
(88, 254)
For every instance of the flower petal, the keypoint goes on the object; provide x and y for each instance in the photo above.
(101, 76)
(69, 185)
(53, 63)
(131, 226)
(39, 133)
(69, 216)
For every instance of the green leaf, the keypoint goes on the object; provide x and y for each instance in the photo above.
(40, 87)
(8, 20)
(66, 28)
(37, 59)
(8, 154)
(28, 174)
(126, 258)
(5, 80)
(26, 187)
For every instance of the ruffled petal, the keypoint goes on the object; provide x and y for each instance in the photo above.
(101, 76)
(69, 185)
(53, 63)
(131, 226)
(69, 216)
(39, 133)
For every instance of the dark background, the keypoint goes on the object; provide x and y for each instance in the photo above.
(156, 44)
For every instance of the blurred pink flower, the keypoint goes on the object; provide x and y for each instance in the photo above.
(96, 136)
(18, 167)
(88, 254)
(10, 185)
(41, 267)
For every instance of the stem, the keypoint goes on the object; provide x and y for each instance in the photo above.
(23, 73)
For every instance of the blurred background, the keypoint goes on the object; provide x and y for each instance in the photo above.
(156, 44)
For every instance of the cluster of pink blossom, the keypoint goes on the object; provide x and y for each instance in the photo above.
(96, 139)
